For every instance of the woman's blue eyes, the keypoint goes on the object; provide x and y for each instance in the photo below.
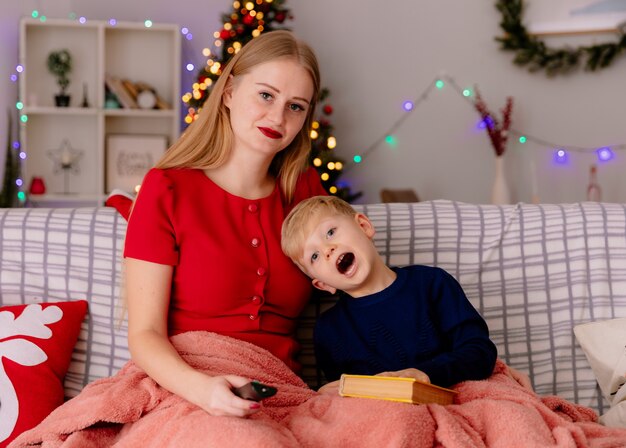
(293, 106)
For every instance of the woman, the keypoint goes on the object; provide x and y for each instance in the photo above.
(202, 248)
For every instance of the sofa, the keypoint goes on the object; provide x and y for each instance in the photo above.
(533, 271)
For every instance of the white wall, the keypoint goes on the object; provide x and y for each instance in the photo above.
(374, 55)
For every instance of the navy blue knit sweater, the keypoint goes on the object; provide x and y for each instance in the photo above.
(422, 320)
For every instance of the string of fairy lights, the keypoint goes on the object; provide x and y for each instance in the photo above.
(19, 70)
(561, 153)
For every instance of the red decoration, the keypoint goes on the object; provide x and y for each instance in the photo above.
(328, 109)
(280, 17)
(248, 19)
(37, 186)
(224, 34)
(498, 132)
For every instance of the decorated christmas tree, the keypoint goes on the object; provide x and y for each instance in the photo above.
(247, 20)
(10, 189)
(323, 157)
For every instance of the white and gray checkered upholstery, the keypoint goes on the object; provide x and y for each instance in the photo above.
(533, 272)
(52, 255)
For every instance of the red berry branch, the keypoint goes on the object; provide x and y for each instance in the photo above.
(498, 132)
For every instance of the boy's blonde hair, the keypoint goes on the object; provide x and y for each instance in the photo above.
(303, 217)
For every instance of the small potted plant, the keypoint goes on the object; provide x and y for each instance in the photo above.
(60, 64)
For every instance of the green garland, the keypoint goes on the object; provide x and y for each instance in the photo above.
(534, 53)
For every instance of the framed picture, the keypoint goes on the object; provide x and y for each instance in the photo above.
(129, 157)
(575, 16)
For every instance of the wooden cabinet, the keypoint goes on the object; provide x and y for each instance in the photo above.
(50, 134)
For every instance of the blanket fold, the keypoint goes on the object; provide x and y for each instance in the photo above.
(130, 409)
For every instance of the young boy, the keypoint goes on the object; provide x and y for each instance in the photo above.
(407, 321)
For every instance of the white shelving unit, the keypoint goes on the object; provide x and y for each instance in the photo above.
(125, 50)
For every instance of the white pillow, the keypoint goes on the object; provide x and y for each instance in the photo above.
(604, 344)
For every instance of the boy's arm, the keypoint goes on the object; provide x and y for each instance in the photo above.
(470, 358)
(471, 355)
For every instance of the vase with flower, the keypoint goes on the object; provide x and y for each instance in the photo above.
(498, 132)
(60, 65)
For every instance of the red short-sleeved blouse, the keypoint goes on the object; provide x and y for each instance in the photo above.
(230, 275)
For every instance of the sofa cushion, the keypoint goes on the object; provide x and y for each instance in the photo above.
(36, 344)
(121, 201)
(604, 344)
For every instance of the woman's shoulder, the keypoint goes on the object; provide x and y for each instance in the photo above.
(162, 183)
(309, 184)
(169, 177)
(309, 175)
(169, 173)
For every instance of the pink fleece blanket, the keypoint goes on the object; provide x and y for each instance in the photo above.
(131, 410)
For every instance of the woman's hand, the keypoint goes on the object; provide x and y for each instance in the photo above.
(408, 373)
(148, 288)
(215, 395)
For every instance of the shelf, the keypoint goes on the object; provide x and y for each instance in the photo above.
(54, 200)
(51, 110)
(155, 113)
(127, 51)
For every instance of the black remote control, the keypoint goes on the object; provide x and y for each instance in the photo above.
(255, 391)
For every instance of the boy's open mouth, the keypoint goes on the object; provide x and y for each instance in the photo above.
(344, 262)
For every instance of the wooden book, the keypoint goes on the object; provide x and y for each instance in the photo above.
(116, 87)
(130, 88)
(406, 390)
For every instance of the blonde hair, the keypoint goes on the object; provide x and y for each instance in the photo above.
(299, 221)
(207, 142)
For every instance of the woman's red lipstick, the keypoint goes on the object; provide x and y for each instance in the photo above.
(270, 133)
